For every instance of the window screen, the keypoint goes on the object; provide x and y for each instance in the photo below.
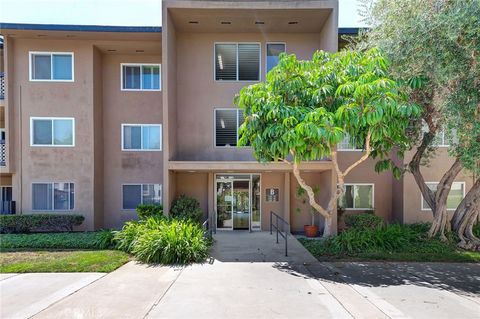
(248, 62)
(226, 62)
(226, 127)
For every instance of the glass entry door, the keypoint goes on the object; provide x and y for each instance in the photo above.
(238, 201)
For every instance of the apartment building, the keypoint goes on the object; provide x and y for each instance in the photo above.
(97, 119)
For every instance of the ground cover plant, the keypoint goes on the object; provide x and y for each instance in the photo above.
(393, 242)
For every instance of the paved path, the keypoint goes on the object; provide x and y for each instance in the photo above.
(231, 286)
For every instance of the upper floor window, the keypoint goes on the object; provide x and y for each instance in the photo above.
(348, 144)
(59, 131)
(227, 122)
(141, 77)
(357, 196)
(443, 137)
(51, 66)
(237, 62)
(136, 194)
(53, 196)
(141, 137)
(455, 196)
(273, 53)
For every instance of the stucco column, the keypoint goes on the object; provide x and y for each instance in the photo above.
(333, 190)
(210, 192)
(286, 197)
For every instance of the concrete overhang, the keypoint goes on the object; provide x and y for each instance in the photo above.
(109, 39)
(244, 166)
(250, 16)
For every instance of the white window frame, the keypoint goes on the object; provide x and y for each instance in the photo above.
(237, 80)
(33, 118)
(30, 64)
(53, 197)
(141, 195)
(215, 126)
(141, 77)
(266, 46)
(361, 184)
(423, 208)
(341, 149)
(141, 137)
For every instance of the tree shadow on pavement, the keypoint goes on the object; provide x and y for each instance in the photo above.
(460, 278)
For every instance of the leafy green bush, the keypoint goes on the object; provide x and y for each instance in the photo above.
(39, 222)
(149, 210)
(185, 207)
(160, 240)
(176, 242)
(363, 221)
(75, 240)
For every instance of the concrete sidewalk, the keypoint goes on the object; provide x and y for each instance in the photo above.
(256, 282)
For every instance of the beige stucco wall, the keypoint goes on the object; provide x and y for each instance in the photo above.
(55, 99)
(412, 197)
(198, 94)
(365, 173)
(131, 107)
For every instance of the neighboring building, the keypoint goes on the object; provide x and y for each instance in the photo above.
(99, 119)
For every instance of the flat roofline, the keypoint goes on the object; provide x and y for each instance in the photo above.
(352, 31)
(77, 27)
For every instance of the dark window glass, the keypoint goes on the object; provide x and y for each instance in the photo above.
(132, 196)
(248, 62)
(42, 132)
(132, 137)
(42, 197)
(41, 67)
(131, 77)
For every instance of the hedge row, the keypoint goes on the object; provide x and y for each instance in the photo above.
(39, 222)
(67, 240)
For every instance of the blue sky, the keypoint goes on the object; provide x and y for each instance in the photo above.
(113, 12)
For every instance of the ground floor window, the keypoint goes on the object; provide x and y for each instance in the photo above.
(457, 193)
(357, 196)
(53, 196)
(136, 194)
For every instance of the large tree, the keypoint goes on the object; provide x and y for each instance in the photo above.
(433, 46)
(305, 108)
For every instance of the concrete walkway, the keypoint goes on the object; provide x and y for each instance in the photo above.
(257, 281)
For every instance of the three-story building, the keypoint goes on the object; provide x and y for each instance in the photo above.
(96, 119)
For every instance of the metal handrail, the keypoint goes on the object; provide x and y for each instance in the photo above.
(278, 231)
(208, 226)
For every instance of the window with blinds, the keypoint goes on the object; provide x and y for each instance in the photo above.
(227, 122)
(237, 62)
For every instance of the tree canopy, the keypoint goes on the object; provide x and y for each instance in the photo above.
(306, 107)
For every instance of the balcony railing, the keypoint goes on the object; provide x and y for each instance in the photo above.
(3, 153)
(2, 85)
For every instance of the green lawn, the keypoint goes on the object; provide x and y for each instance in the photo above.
(62, 261)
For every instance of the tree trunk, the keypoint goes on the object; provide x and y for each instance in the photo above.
(465, 217)
(327, 229)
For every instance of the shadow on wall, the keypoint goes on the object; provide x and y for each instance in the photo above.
(459, 278)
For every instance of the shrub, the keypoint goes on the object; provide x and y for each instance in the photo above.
(363, 221)
(39, 222)
(175, 242)
(76, 240)
(149, 210)
(161, 240)
(185, 207)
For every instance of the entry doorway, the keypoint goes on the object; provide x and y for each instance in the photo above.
(237, 201)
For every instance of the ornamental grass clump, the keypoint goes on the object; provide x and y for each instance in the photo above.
(162, 240)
